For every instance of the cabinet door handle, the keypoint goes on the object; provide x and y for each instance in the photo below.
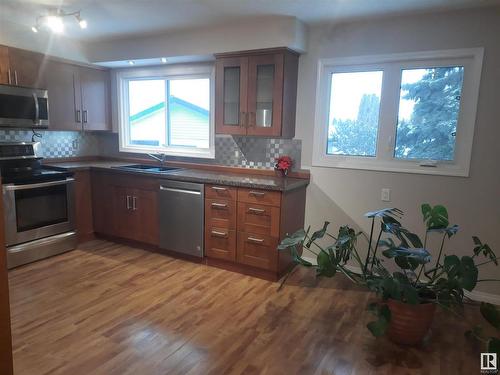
(84, 116)
(77, 116)
(129, 205)
(10, 78)
(256, 240)
(257, 211)
(256, 193)
(217, 188)
(216, 233)
(219, 205)
(134, 203)
(15, 77)
(252, 119)
(242, 119)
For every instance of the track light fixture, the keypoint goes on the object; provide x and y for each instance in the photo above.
(55, 21)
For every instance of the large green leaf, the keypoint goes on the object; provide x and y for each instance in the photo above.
(450, 231)
(491, 313)
(463, 270)
(318, 234)
(297, 258)
(295, 239)
(325, 265)
(385, 212)
(422, 256)
(406, 263)
(479, 248)
(410, 294)
(469, 273)
(379, 327)
(435, 217)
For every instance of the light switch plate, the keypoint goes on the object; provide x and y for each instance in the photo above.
(386, 195)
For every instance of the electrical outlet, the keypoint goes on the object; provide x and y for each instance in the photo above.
(386, 195)
(75, 144)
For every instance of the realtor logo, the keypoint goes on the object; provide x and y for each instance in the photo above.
(489, 363)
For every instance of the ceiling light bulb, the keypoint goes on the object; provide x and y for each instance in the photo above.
(83, 24)
(130, 62)
(34, 29)
(55, 23)
(163, 60)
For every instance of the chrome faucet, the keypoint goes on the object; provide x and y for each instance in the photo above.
(161, 158)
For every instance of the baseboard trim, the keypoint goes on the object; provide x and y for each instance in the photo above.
(474, 295)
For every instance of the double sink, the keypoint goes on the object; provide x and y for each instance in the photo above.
(147, 168)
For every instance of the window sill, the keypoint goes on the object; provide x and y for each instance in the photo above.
(201, 154)
(395, 167)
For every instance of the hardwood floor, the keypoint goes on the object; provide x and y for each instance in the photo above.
(108, 309)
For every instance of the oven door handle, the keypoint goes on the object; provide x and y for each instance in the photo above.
(39, 185)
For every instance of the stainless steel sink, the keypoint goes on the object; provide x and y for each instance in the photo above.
(147, 168)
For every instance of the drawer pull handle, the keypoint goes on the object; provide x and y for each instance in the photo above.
(219, 205)
(257, 240)
(217, 188)
(256, 193)
(253, 210)
(219, 234)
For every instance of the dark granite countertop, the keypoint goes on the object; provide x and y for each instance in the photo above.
(198, 175)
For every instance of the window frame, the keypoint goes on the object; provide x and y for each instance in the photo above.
(168, 72)
(392, 66)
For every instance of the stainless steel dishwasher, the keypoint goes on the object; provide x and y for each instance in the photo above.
(182, 217)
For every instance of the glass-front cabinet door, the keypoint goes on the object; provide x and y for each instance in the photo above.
(231, 115)
(265, 89)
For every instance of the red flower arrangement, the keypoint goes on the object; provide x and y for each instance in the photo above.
(283, 164)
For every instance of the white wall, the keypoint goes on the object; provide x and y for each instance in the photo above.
(342, 196)
(258, 33)
(16, 35)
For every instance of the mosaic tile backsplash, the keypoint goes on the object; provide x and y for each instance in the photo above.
(57, 144)
(234, 151)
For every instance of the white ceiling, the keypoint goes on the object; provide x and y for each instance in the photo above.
(109, 19)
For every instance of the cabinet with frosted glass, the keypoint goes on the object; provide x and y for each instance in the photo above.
(256, 93)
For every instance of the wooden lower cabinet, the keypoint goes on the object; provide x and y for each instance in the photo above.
(261, 218)
(83, 206)
(126, 207)
(258, 251)
(220, 243)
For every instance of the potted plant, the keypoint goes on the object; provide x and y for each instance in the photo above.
(398, 267)
(283, 164)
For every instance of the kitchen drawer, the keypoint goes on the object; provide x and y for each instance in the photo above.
(220, 243)
(272, 198)
(220, 213)
(259, 219)
(257, 250)
(220, 192)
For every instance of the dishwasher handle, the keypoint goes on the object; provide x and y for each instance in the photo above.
(183, 191)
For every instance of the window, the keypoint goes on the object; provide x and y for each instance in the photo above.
(354, 113)
(167, 110)
(406, 112)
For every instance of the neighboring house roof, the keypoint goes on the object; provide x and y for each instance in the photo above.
(176, 103)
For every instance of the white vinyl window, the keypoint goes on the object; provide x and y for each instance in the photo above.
(411, 112)
(167, 110)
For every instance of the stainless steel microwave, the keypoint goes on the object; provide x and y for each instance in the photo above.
(23, 107)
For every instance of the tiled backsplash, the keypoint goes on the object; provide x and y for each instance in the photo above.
(234, 151)
(57, 144)
(248, 152)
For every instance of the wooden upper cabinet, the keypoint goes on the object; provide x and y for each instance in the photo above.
(95, 95)
(64, 96)
(231, 95)
(79, 97)
(26, 68)
(256, 92)
(4, 65)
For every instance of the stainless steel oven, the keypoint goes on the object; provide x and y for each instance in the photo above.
(38, 210)
(23, 107)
